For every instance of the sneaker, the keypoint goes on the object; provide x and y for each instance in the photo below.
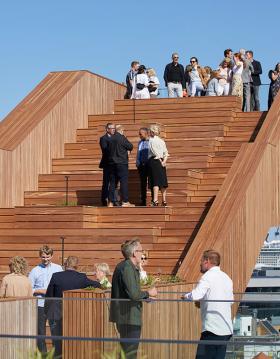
(110, 204)
(127, 204)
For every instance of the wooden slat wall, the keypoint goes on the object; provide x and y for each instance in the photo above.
(161, 320)
(18, 316)
(42, 138)
(246, 206)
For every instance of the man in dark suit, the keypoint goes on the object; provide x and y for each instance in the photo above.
(118, 148)
(61, 281)
(103, 142)
(255, 101)
(127, 312)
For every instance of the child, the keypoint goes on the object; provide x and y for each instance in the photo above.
(102, 271)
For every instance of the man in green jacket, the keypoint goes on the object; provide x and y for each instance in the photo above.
(127, 312)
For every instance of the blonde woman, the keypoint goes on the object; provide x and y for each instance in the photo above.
(153, 83)
(102, 271)
(157, 159)
(16, 284)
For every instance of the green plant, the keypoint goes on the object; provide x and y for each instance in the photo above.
(69, 204)
(38, 355)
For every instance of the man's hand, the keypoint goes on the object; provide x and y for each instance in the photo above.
(152, 292)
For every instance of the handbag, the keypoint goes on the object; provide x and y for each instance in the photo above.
(140, 86)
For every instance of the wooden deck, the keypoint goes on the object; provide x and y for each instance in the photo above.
(204, 137)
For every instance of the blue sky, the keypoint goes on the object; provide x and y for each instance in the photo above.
(104, 36)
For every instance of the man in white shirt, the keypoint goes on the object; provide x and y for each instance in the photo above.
(40, 277)
(215, 291)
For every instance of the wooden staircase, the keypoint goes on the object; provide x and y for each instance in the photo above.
(203, 136)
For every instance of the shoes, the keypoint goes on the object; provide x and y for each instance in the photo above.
(127, 204)
(154, 203)
(110, 204)
(164, 204)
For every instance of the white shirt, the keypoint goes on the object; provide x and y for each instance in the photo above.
(215, 316)
(157, 148)
(238, 68)
(144, 80)
(40, 277)
(156, 82)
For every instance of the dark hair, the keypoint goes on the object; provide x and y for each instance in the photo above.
(278, 63)
(195, 58)
(134, 63)
(213, 257)
(141, 69)
(250, 52)
(109, 124)
(227, 51)
(144, 129)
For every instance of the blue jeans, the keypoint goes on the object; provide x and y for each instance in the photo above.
(196, 88)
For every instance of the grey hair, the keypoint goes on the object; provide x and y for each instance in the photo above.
(128, 247)
(175, 53)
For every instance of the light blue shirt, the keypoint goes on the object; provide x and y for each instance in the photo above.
(40, 277)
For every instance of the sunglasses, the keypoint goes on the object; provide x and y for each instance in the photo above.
(192, 61)
(143, 258)
(176, 57)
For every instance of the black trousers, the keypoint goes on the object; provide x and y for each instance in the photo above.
(129, 331)
(212, 351)
(105, 185)
(41, 329)
(118, 173)
(143, 171)
(56, 330)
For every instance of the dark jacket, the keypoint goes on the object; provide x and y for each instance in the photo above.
(61, 281)
(182, 73)
(257, 72)
(103, 143)
(117, 149)
(126, 285)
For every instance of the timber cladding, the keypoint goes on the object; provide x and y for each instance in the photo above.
(247, 205)
(35, 131)
(86, 314)
(18, 317)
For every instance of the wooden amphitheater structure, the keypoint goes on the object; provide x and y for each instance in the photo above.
(223, 171)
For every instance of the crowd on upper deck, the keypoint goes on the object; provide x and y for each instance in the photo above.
(237, 74)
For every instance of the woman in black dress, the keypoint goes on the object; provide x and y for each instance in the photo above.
(158, 155)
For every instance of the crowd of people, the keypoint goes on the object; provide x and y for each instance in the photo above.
(48, 281)
(151, 160)
(237, 74)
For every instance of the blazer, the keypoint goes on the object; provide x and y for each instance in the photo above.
(126, 285)
(257, 72)
(61, 281)
(117, 149)
(104, 143)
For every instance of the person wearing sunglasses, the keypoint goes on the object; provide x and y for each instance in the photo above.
(197, 77)
(142, 264)
(174, 77)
